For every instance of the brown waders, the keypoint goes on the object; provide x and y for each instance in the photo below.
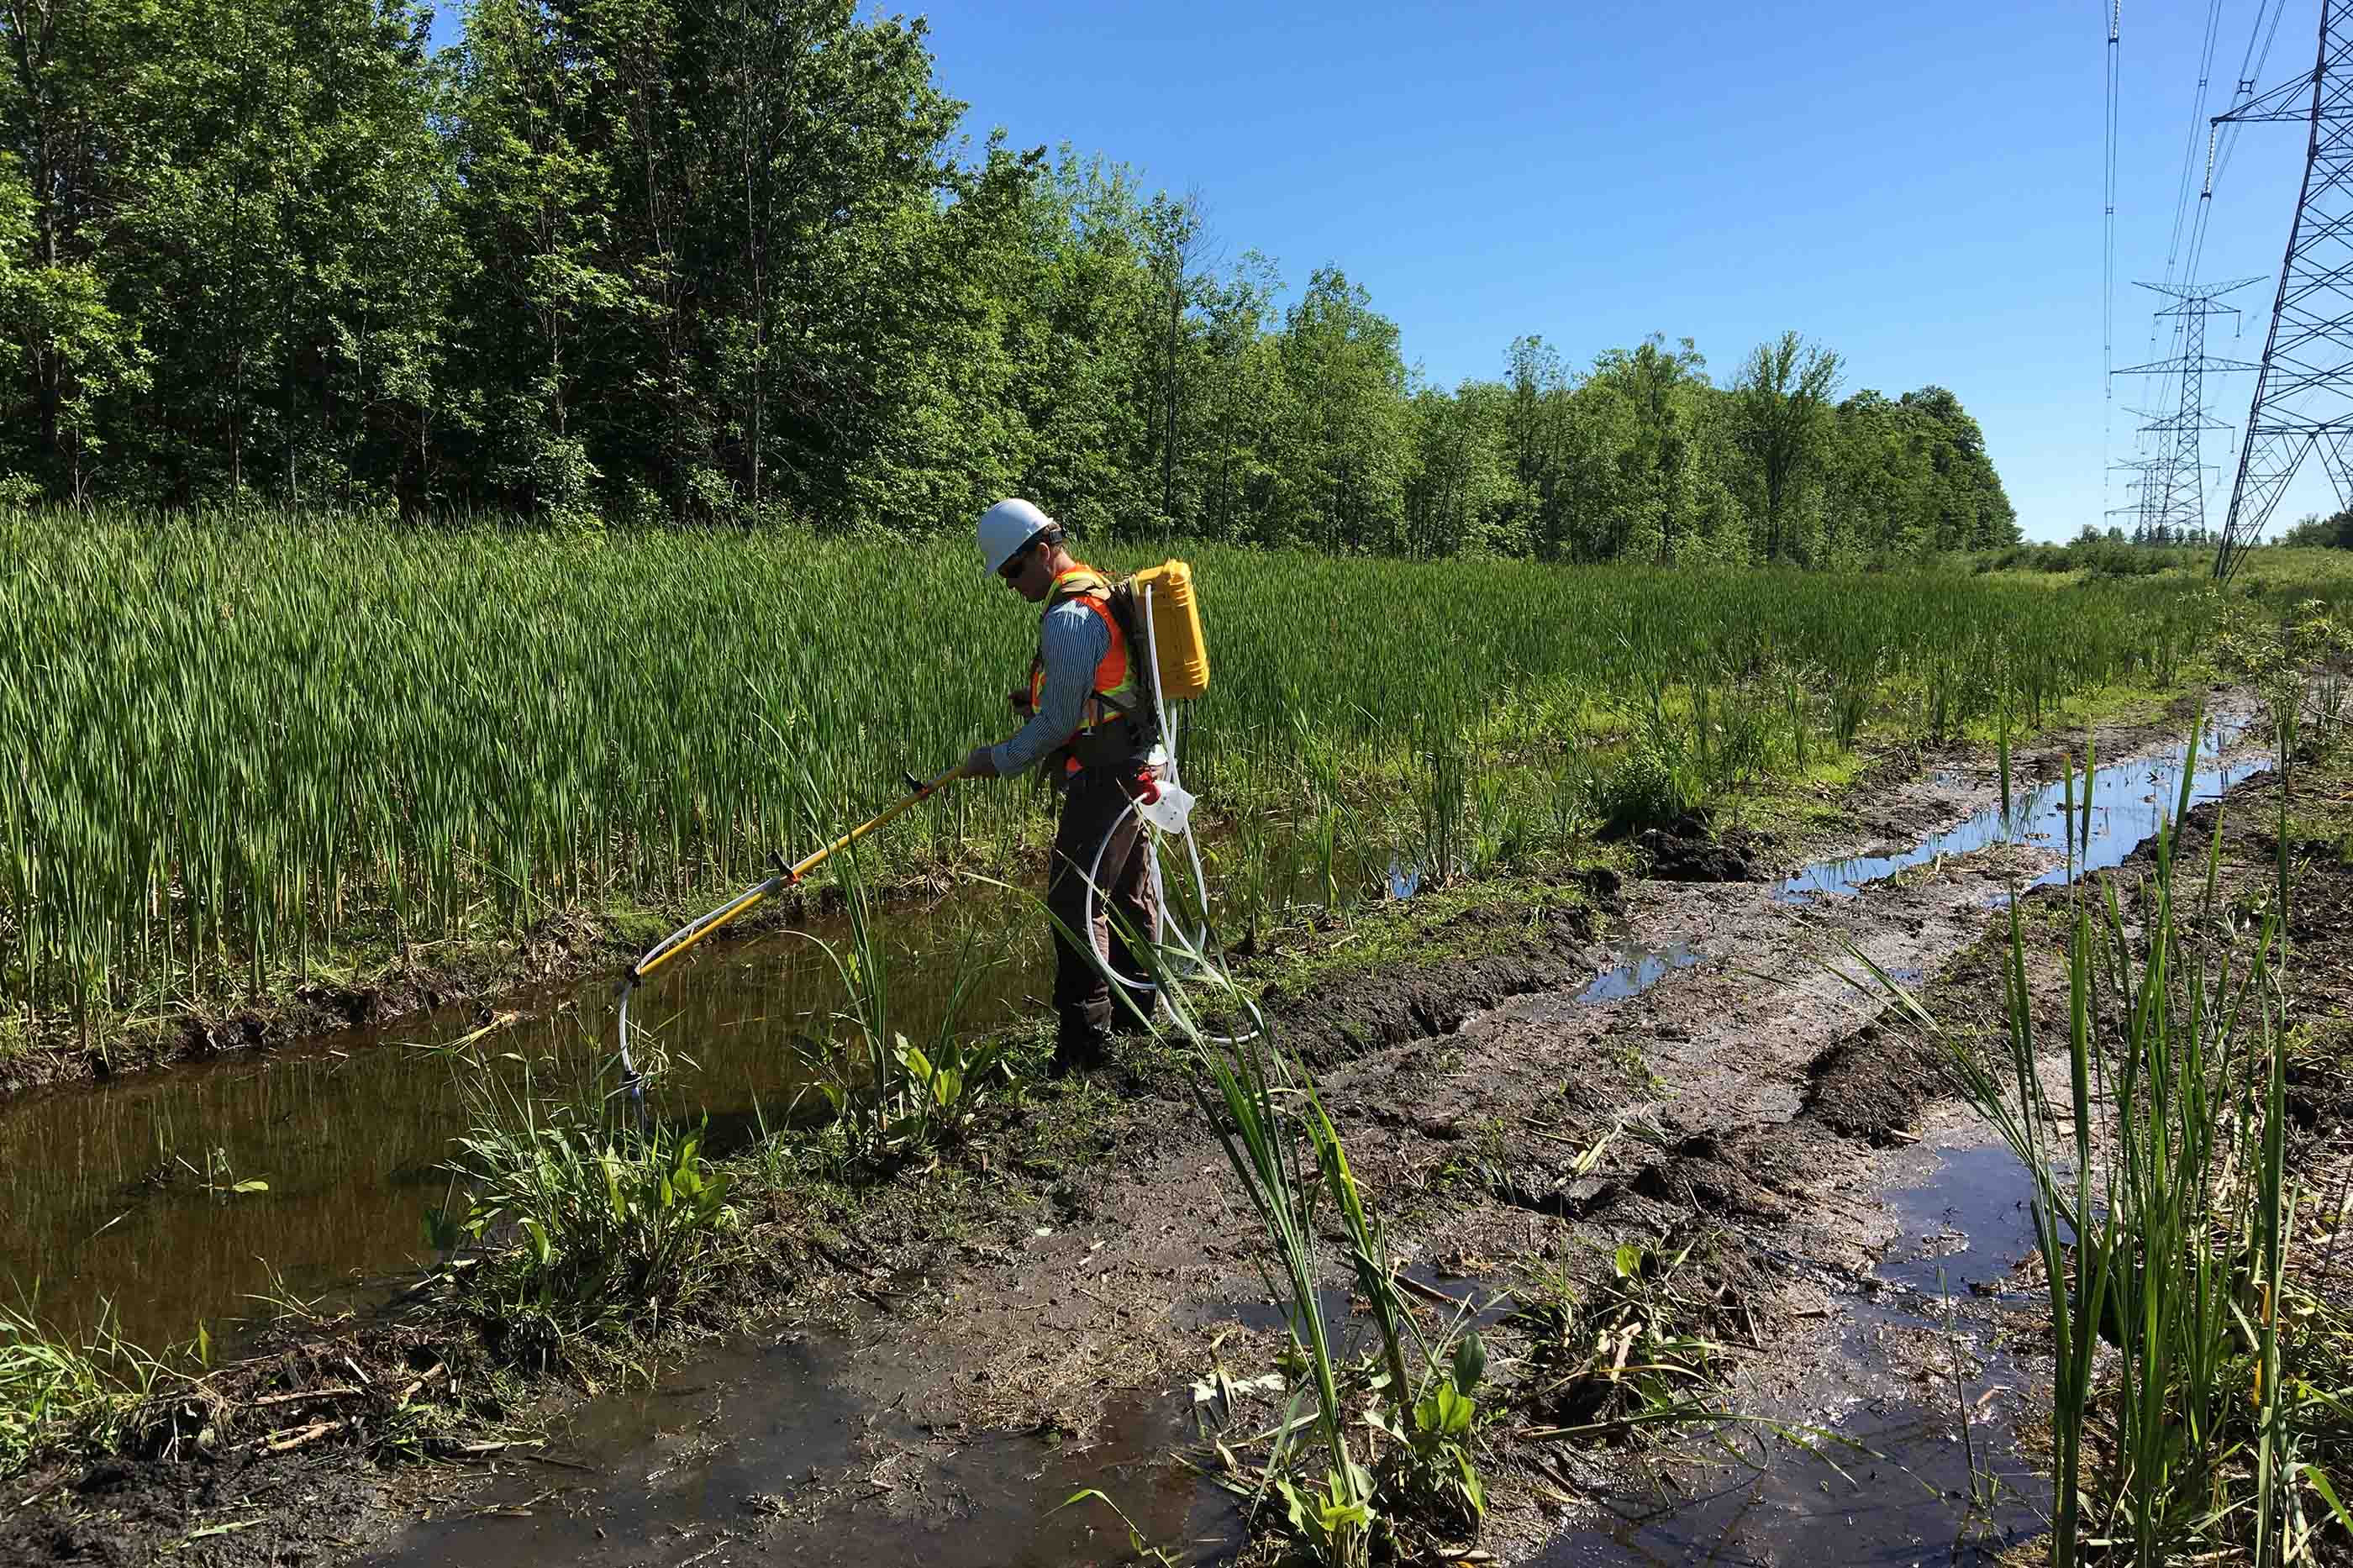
(1093, 806)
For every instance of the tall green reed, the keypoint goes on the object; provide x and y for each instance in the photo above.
(1287, 1156)
(254, 748)
(885, 1095)
(2160, 1200)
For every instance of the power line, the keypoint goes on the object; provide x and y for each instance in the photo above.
(2108, 263)
(2222, 134)
(2184, 224)
(2189, 147)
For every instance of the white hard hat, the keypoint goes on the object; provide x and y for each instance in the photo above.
(1005, 528)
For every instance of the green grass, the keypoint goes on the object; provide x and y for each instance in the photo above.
(1429, 928)
(92, 1386)
(260, 750)
(593, 1226)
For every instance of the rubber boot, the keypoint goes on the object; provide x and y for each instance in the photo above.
(1078, 1047)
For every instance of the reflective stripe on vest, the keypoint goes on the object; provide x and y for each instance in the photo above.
(1115, 691)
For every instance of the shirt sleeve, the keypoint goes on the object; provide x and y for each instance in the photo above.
(1072, 641)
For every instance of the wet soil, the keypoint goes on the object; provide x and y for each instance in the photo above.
(1690, 851)
(1710, 1065)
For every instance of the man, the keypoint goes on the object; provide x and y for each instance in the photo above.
(1090, 725)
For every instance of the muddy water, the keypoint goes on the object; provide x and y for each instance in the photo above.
(2128, 802)
(1636, 967)
(124, 1199)
(125, 1194)
(1886, 1478)
(757, 1450)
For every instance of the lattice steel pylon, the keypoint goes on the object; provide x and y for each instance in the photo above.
(2304, 392)
(2142, 487)
(2178, 498)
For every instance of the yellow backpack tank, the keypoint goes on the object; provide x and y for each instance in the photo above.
(1181, 654)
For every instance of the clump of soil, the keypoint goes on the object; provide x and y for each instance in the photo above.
(264, 1459)
(1686, 851)
(1872, 1084)
(1340, 1019)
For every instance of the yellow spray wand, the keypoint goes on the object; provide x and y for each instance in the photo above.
(694, 930)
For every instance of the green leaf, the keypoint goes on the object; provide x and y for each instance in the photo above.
(1474, 1490)
(1469, 1363)
(2329, 1495)
(1294, 1507)
(613, 1188)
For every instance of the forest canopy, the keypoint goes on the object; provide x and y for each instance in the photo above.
(715, 261)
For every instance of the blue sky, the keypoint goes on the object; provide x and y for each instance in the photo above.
(1917, 186)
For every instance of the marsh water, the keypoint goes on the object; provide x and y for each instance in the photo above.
(712, 1458)
(125, 1194)
(2122, 809)
(1888, 1478)
(125, 1198)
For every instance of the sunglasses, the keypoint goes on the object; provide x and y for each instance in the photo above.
(1015, 567)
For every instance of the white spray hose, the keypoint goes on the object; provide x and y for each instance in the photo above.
(1168, 812)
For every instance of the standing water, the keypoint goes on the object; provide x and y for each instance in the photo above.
(2128, 802)
(128, 1198)
(127, 1195)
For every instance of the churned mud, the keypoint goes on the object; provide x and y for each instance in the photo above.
(1696, 1063)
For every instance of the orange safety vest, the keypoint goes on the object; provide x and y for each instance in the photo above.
(1114, 695)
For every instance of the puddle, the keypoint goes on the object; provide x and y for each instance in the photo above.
(756, 1450)
(1274, 1317)
(1894, 1484)
(101, 1199)
(1970, 1219)
(1478, 1303)
(1890, 1489)
(1639, 967)
(2129, 803)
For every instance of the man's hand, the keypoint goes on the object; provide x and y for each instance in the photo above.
(981, 764)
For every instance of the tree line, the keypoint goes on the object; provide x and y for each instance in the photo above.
(729, 259)
(2314, 532)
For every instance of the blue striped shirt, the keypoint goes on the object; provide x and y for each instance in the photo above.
(1071, 640)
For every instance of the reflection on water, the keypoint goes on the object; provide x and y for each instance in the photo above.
(102, 1190)
(1639, 968)
(1890, 1484)
(2129, 803)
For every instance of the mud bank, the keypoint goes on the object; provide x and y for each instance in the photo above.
(414, 983)
(1072, 1275)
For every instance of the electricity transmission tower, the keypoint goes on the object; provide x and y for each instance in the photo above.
(2178, 498)
(2304, 390)
(2142, 487)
